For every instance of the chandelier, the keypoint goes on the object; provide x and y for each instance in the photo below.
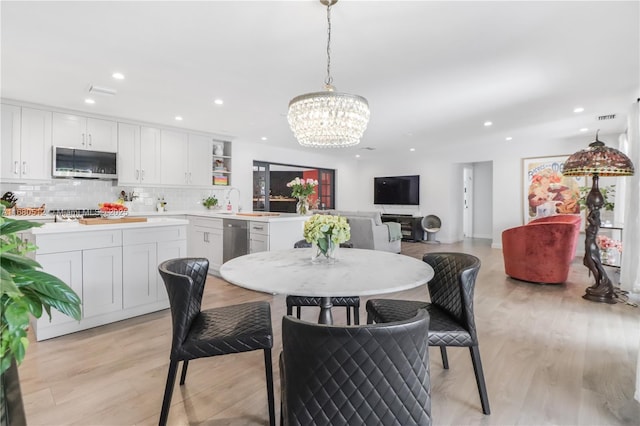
(328, 119)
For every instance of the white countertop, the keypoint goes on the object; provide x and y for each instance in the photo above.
(356, 273)
(281, 217)
(59, 227)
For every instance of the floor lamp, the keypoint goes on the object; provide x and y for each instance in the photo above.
(597, 160)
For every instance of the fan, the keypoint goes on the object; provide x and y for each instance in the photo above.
(431, 224)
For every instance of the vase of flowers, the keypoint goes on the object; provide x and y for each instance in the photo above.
(326, 232)
(302, 189)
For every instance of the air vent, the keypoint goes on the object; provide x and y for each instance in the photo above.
(606, 117)
(368, 148)
(102, 90)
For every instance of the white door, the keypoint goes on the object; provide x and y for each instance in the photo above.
(68, 267)
(10, 141)
(149, 155)
(128, 153)
(200, 160)
(69, 131)
(467, 199)
(139, 263)
(101, 281)
(35, 151)
(102, 135)
(174, 148)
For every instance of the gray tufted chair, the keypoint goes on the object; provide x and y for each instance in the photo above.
(347, 301)
(374, 374)
(218, 331)
(451, 309)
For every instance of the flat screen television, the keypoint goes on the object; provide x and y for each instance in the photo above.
(397, 190)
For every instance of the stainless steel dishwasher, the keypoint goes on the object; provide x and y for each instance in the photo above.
(235, 238)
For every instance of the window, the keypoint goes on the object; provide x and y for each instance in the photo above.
(271, 194)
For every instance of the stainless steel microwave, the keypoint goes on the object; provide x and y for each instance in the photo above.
(83, 163)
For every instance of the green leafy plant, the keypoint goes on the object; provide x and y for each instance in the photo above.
(608, 194)
(210, 202)
(323, 228)
(25, 290)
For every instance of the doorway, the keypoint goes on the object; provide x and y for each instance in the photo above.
(467, 202)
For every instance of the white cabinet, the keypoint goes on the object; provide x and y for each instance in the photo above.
(138, 155)
(101, 281)
(221, 163)
(68, 267)
(26, 144)
(258, 237)
(185, 159)
(205, 240)
(143, 250)
(76, 131)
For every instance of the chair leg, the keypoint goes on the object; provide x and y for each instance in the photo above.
(348, 315)
(482, 387)
(183, 376)
(445, 359)
(270, 397)
(356, 315)
(168, 392)
(369, 318)
(298, 312)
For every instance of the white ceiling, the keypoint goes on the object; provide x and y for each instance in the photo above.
(433, 72)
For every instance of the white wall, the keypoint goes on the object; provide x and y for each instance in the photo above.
(483, 199)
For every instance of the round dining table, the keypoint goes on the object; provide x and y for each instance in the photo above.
(356, 272)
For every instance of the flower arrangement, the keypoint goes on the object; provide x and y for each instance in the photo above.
(301, 187)
(606, 243)
(326, 232)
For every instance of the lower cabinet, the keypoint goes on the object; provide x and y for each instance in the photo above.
(115, 282)
(258, 237)
(101, 281)
(205, 240)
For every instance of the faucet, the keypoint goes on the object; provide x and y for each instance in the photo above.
(229, 206)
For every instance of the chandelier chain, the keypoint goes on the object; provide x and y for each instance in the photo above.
(328, 80)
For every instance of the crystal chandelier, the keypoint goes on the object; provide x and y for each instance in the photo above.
(328, 119)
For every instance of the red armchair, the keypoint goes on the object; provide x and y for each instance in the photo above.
(542, 250)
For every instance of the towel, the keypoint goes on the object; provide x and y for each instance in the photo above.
(395, 231)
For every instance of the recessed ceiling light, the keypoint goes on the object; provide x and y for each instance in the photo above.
(178, 118)
(487, 123)
(578, 109)
(357, 155)
(264, 138)
(89, 101)
(508, 138)
(118, 76)
(584, 129)
(412, 149)
(218, 101)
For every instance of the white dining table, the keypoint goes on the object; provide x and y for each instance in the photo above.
(356, 272)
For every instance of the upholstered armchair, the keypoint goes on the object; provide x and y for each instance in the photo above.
(542, 250)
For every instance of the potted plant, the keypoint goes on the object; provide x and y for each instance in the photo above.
(210, 202)
(25, 290)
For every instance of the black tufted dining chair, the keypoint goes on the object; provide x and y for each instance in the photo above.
(451, 310)
(218, 331)
(350, 302)
(374, 374)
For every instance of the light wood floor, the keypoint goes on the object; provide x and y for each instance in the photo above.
(550, 358)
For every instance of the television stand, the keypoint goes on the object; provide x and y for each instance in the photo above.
(410, 225)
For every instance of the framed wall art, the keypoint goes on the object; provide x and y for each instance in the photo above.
(546, 191)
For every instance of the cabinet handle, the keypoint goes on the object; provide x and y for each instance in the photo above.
(83, 139)
(142, 175)
(189, 177)
(24, 167)
(137, 174)
(15, 168)
(258, 228)
(206, 237)
(186, 179)
(90, 141)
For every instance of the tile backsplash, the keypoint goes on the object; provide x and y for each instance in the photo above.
(87, 193)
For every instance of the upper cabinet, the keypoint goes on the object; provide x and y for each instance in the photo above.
(138, 155)
(76, 131)
(221, 163)
(26, 144)
(185, 158)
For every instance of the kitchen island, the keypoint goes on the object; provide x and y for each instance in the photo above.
(112, 267)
